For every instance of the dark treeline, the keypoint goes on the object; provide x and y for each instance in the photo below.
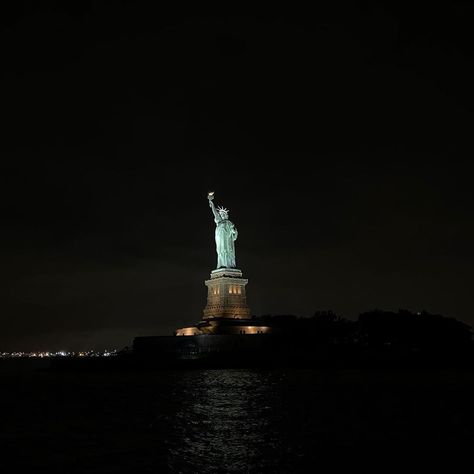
(378, 329)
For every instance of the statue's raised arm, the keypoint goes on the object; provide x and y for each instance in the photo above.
(210, 196)
(226, 234)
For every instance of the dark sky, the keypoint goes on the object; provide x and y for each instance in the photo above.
(341, 140)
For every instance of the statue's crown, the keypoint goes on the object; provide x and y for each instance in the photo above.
(223, 209)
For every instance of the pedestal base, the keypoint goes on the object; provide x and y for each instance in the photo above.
(226, 295)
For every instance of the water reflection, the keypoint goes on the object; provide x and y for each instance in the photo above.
(290, 421)
(227, 420)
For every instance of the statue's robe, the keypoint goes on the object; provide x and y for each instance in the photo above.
(226, 234)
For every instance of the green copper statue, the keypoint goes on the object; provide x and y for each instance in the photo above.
(226, 235)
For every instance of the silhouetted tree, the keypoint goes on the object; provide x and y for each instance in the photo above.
(413, 330)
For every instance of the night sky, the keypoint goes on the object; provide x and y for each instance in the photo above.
(341, 140)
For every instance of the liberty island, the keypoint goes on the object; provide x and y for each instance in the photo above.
(228, 336)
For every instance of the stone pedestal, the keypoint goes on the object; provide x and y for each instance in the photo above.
(226, 295)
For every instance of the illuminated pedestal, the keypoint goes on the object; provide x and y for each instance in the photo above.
(226, 311)
(226, 295)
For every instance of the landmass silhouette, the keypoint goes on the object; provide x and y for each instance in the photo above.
(377, 338)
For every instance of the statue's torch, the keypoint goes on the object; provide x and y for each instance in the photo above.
(210, 195)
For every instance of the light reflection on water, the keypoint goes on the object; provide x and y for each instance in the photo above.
(227, 419)
(290, 421)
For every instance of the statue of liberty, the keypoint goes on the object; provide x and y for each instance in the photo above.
(226, 235)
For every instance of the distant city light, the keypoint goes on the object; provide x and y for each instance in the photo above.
(42, 354)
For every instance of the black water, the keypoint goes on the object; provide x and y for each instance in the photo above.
(210, 421)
